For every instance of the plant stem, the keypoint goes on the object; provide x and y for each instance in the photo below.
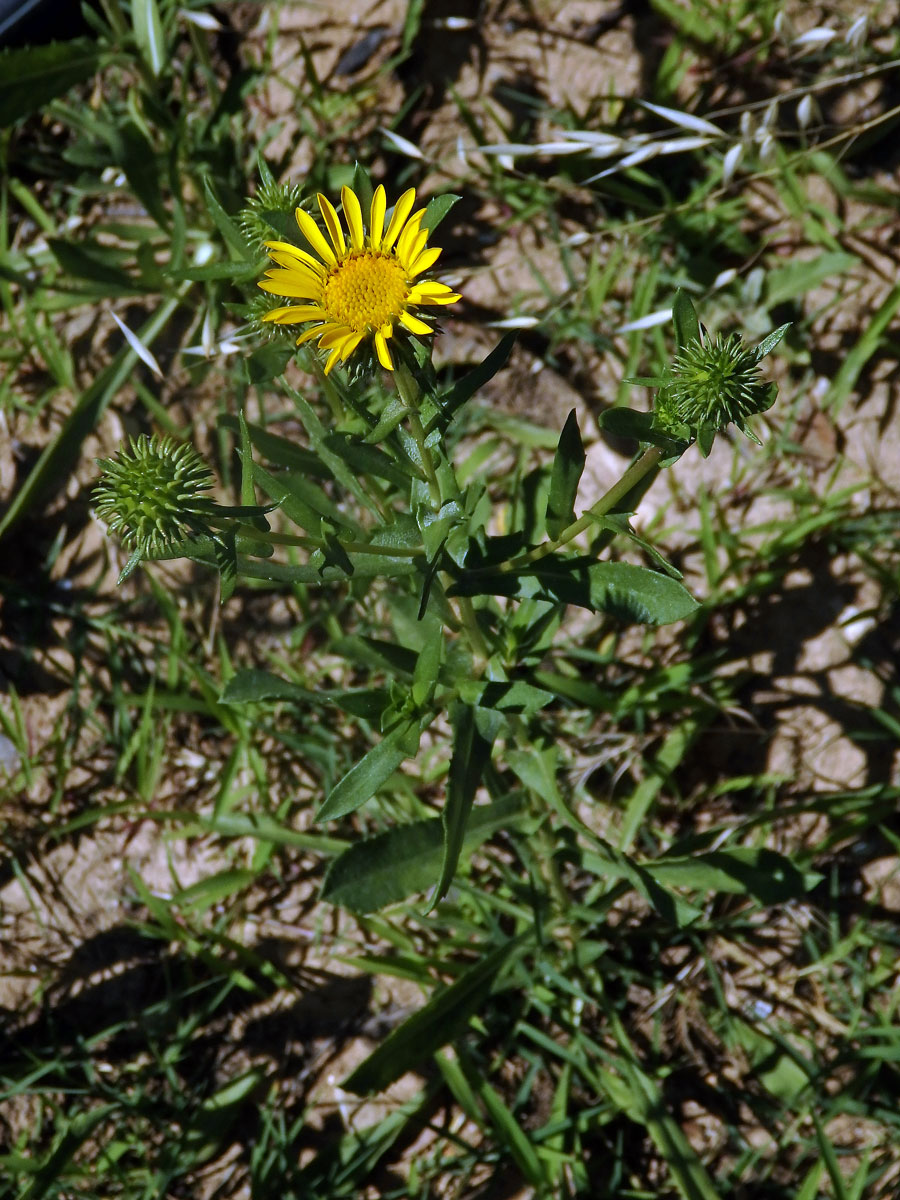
(649, 461)
(314, 543)
(469, 621)
(411, 395)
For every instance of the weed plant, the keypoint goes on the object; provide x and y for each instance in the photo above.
(434, 846)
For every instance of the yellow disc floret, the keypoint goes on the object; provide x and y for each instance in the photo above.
(366, 291)
(359, 289)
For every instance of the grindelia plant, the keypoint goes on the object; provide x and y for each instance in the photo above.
(372, 501)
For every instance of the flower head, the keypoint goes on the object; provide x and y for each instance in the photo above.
(361, 287)
(714, 382)
(152, 494)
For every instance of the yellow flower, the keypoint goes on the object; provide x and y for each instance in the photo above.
(357, 289)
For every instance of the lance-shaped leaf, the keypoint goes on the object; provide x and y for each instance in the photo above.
(32, 76)
(568, 464)
(254, 686)
(471, 754)
(687, 325)
(622, 589)
(437, 208)
(373, 770)
(433, 1026)
(473, 382)
(407, 859)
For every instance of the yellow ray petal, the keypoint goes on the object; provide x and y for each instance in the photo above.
(334, 336)
(333, 225)
(431, 287)
(423, 260)
(402, 209)
(295, 313)
(381, 349)
(376, 218)
(290, 263)
(332, 359)
(296, 252)
(314, 236)
(353, 217)
(274, 313)
(291, 289)
(414, 325)
(423, 294)
(308, 334)
(407, 238)
(417, 247)
(350, 345)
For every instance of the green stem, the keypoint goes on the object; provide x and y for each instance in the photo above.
(649, 461)
(313, 543)
(332, 399)
(469, 621)
(411, 395)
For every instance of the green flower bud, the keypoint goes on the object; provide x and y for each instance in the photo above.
(712, 383)
(270, 212)
(152, 495)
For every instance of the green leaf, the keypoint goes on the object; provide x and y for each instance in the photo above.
(706, 436)
(428, 665)
(433, 1026)
(412, 24)
(504, 696)
(268, 362)
(226, 563)
(743, 870)
(568, 464)
(407, 859)
(301, 499)
(437, 208)
(75, 1134)
(95, 264)
(462, 391)
(391, 416)
(471, 754)
(318, 571)
(225, 225)
(608, 862)
(213, 889)
(141, 164)
(318, 435)
(799, 276)
(768, 344)
(237, 271)
(687, 326)
(514, 1137)
(278, 450)
(32, 76)
(647, 1106)
(367, 460)
(148, 33)
(255, 686)
(628, 423)
(364, 779)
(362, 185)
(248, 493)
(436, 526)
(209, 1124)
(377, 654)
(626, 591)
